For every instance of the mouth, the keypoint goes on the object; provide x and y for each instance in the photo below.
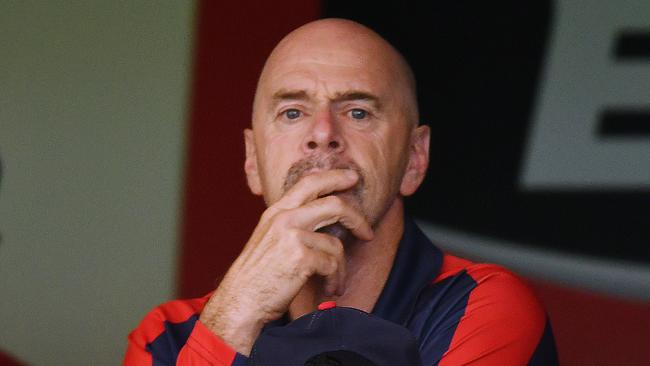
(314, 164)
(352, 195)
(326, 167)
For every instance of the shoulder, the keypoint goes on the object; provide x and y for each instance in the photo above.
(494, 292)
(489, 279)
(481, 311)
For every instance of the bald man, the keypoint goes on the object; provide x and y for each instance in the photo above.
(334, 148)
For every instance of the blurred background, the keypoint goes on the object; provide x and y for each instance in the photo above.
(121, 152)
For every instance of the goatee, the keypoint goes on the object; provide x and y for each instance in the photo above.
(353, 196)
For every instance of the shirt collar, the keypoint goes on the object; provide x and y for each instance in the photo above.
(416, 264)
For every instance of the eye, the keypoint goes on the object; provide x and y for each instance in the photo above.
(358, 113)
(292, 113)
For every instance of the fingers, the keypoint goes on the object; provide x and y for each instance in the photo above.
(294, 219)
(328, 260)
(300, 206)
(316, 185)
(329, 210)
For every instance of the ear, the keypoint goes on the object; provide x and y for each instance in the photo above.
(418, 160)
(250, 165)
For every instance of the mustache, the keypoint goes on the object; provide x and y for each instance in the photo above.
(327, 162)
(322, 162)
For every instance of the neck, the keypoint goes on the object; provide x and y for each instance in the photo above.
(368, 266)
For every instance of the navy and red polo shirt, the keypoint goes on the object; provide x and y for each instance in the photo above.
(459, 311)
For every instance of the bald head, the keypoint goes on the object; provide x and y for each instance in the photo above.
(340, 42)
(333, 94)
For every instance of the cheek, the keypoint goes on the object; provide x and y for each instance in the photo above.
(378, 159)
(276, 160)
(387, 157)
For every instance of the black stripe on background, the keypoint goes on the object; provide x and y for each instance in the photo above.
(633, 45)
(624, 123)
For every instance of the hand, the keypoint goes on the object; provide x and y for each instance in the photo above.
(283, 252)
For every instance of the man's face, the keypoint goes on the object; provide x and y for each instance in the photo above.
(321, 106)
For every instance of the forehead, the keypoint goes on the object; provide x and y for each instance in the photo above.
(329, 69)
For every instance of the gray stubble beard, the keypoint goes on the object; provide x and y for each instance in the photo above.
(353, 195)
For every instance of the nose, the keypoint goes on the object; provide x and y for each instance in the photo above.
(324, 135)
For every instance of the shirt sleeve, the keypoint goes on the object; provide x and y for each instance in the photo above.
(503, 322)
(172, 335)
(488, 316)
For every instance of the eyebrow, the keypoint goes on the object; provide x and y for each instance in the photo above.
(358, 95)
(284, 94)
(303, 95)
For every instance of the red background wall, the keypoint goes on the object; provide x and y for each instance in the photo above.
(232, 42)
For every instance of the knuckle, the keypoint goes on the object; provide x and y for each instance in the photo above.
(282, 219)
(300, 260)
(269, 213)
(333, 265)
(293, 237)
(334, 201)
(338, 247)
(334, 243)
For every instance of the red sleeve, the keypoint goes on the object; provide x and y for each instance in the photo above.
(205, 348)
(502, 324)
(171, 335)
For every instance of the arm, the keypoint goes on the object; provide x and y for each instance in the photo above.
(283, 253)
(171, 335)
(487, 316)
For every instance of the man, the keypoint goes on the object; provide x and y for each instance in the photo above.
(334, 148)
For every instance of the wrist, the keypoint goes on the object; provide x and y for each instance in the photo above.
(235, 328)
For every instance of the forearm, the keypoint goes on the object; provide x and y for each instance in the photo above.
(201, 347)
(232, 326)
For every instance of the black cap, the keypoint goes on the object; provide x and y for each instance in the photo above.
(336, 336)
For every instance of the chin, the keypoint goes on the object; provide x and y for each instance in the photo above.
(339, 231)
